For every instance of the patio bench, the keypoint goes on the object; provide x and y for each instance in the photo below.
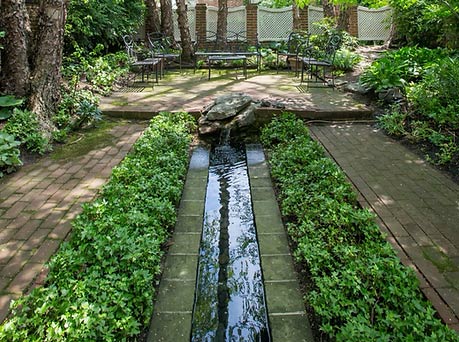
(233, 47)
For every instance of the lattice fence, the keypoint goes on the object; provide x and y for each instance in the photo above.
(374, 24)
(236, 19)
(315, 14)
(274, 23)
(191, 22)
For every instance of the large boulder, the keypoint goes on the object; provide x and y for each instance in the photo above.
(229, 112)
(228, 106)
(246, 118)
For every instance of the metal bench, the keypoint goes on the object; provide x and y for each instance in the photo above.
(227, 58)
(233, 47)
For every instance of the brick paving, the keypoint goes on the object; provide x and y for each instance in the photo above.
(416, 205)
(38, 203)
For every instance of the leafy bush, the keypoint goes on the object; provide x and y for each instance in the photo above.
(397, 68)
(360, 290)
(435, 97)
(346, 60)
(100, 282)
(99, 71)
(431, 115)
(393, 122)
(9, 154)
(270, 59)
(7, 104)
(93, 22)
(427, 23)
(78, 108)
(24, 126)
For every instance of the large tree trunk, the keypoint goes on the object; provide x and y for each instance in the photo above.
(222, 21)
(185, 36)
(296, 16)
(343, 18)
(46, 69)
(152, 22)
(14, 77)
(167, 26)
(329, 9)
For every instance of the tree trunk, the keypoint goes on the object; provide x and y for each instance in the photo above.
(296, 16)
(329, 9)
(14, 77)
(167, 26)
(222, 21)
(152, 23)
(46, 68)
(343, 18)
(185, 36)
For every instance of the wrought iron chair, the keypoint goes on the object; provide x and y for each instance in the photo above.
(161, 47)
(145, 65)
(323, 60)
(292, 50)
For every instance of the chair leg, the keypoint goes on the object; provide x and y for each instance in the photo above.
(277, 63)
(156, 72)
(208, 64)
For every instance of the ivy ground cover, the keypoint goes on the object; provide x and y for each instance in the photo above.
(360, 290)
(100, 285)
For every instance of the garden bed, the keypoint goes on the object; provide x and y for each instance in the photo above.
(101, 282)
(358, 289)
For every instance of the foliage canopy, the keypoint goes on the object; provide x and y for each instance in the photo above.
(92, 22)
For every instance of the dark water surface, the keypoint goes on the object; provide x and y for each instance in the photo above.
(229, 300)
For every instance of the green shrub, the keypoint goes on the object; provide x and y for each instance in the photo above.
(7, 104)
(435, 97)
(397, 68)
(99, 71)
(24, 126)
(393, 122)
(431, 116)
(9, 154)
(346, 60)
(100, 285)
(360, 291)
(426, 23)
(78, 108)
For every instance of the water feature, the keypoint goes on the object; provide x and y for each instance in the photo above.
(229, 302)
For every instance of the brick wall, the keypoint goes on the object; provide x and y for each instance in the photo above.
(201, 23)
(353, 28)
(252, 23)
(214, 3)
(303, 18)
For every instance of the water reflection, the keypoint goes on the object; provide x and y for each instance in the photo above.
(230, 302)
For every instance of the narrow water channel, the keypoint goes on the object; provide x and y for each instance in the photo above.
(229, 301)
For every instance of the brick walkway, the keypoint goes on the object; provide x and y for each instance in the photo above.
(417, 206)
(38, 203)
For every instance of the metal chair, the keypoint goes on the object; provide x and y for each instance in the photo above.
(161, 47)
(144, 65)
(324, 61)
(292, 49)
